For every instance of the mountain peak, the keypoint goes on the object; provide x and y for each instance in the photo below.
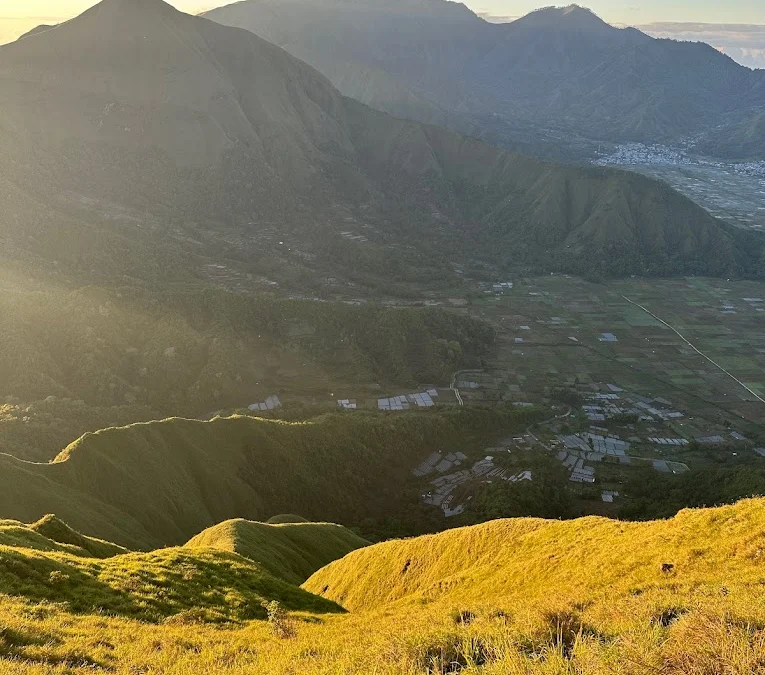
(134, 8)
(571, 17)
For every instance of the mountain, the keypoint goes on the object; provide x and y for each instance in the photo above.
(141, 143)
(162, 483)
(557, 82)
(291, 551)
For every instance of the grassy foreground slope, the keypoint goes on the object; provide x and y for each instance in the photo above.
(161, 483)
(525, 597)
(527, 560)
(170, 584)
(292, 552)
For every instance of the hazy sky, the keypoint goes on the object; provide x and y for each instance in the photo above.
(615, 11)
(643, 11)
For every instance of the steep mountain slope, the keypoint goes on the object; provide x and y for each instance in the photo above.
(161, 483)
(291, 552)
(557, 78)
(136, 128)
(528, 560)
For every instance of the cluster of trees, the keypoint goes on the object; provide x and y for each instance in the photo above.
(728, 478)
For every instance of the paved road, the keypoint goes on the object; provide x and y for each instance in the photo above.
(696, 349)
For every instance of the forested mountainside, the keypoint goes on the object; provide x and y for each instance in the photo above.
(145, 141)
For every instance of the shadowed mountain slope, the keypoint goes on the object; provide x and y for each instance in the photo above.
(135, 132)
(161, 483)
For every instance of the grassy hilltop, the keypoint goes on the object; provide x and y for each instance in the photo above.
(593, 596)
(290, 551)
(176, 584)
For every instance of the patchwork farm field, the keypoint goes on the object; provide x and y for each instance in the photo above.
(560, 331)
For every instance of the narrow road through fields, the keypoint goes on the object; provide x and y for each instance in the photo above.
(550, 421)
(453, 385)
(696, 349)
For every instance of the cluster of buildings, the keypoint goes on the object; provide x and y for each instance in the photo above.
(589, 447)
(665, 414)
(437, 463)
(444, 486)
(347, 403)
(502, 287)
(758, 304)
(676, 442)
(640, 153)
(405, 402)
(604, 406)
(271, 403)
(756, 169)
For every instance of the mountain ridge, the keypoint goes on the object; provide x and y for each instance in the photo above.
(161, 483)
(138, 113)
(557, 82)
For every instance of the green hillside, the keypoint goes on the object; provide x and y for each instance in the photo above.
(57, 530)
(525, 558)
(51, 534)
(291, 552)
(740, 141)
(161, 483)
(171, 584)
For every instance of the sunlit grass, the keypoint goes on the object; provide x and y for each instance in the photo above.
(603, 610)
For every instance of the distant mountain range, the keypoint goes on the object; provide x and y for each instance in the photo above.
(136, 134)
(557, 82)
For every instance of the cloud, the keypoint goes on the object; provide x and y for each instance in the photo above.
(744, 43)
(497, 18)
